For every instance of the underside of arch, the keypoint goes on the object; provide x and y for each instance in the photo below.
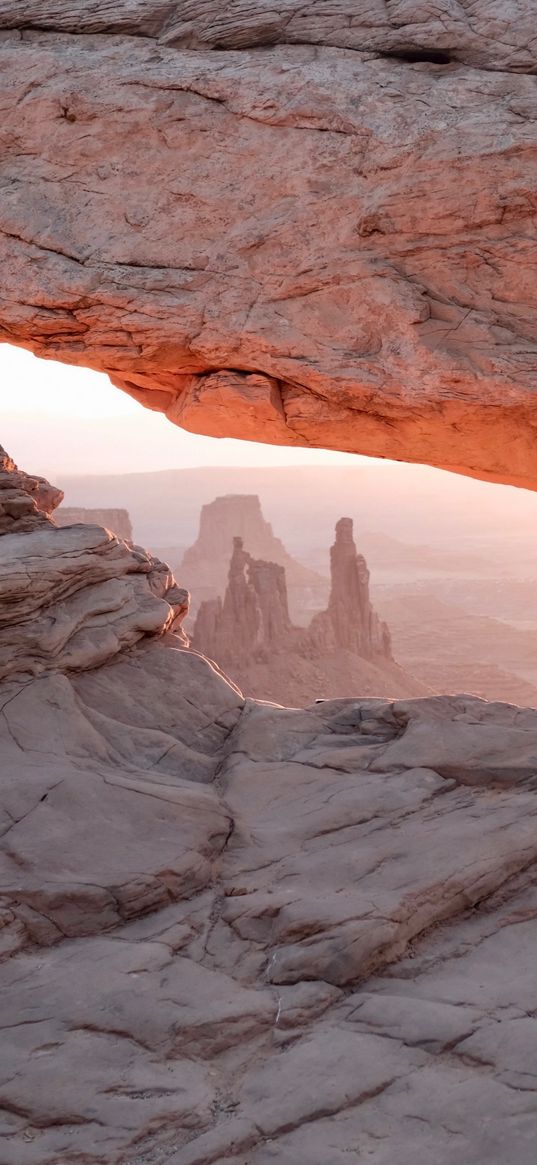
(295, 231)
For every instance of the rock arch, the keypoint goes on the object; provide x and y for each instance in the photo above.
(305, 228)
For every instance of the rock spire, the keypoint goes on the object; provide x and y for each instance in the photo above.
(350, 622)
(346, 647)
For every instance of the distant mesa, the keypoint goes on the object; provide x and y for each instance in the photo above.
(345, 648)
(118, 521)
(205, 565)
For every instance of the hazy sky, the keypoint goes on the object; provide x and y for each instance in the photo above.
(57, 419)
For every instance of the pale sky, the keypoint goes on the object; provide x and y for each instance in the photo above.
(57, 419)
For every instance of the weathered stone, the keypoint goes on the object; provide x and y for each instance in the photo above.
(221, 919)
(72, 597)
(374, 290)
(24, 501)
(350, 623)
(494, 36)
(199, 1026)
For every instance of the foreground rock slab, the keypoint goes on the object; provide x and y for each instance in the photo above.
(238, 932)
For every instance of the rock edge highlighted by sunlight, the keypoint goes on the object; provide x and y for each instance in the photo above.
(344, 257)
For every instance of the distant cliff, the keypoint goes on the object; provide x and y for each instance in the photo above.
(118, 521)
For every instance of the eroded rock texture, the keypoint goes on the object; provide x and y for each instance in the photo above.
(71, 597)
(25, 501)
(308, 224)
(236, 932)
(212, 913)
(350, 622)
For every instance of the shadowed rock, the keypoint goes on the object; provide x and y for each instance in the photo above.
(72, 597)
(25, 502)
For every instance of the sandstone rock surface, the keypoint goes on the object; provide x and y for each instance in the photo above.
(344, 649)
(25, 501)
(212, 913)
(344, 257)
(236, 932)
(71, 597)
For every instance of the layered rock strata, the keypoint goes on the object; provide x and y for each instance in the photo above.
(236, 932)
(25, 501)
(253, 617)
(375, 289)
(72, 597)
(345, 648)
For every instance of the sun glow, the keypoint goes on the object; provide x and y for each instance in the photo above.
(59, 419)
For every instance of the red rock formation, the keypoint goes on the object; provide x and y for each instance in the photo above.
(235, 932)
(311, 245)
(330, 241)
(252, 620)
(251, 636)
(205, 565)
(350, 621)
(116, 520)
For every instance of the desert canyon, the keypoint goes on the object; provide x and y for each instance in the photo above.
(233, 931)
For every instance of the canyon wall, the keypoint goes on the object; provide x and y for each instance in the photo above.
(344, 257)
